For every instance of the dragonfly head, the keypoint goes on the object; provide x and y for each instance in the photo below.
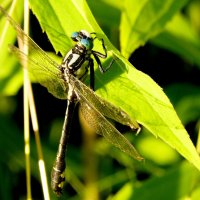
(77, 36)
(83, 38)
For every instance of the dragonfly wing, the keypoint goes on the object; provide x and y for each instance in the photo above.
(104, 107)
(45, 70)
(39, 68)
(33, 47)
(94, 115)
(115, 113)
(103, 127)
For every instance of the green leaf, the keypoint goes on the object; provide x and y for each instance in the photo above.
(142, 20)
(106, 12)
(180, 38)
(144, 100)
(123, 85)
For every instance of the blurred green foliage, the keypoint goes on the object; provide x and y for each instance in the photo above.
(170, 55)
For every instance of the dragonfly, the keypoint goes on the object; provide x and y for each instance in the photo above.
(65, 81)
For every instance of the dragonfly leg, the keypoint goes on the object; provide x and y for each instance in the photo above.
(101, 55)
(91, 65)
(102, 70)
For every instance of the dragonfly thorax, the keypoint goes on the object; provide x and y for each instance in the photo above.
(76, 62)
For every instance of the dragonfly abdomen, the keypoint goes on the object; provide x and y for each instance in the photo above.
(57, 175)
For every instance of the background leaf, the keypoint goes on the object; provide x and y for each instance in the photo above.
(10, 72)
(142, 20)
(186, 100)
(179, 37)
(175, 180)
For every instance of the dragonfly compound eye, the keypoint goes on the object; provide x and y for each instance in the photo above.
(75, 36)
(87, 43)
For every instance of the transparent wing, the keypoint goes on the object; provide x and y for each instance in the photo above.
(94, 109)
(53, 81)
(45, 70)
(104, 107)
(103, 127)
